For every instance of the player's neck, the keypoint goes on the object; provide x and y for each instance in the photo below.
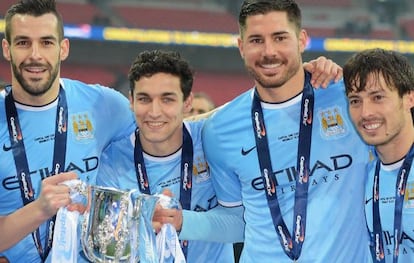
(23, 97)
(283, 93)
(397, 148)
(162, 148)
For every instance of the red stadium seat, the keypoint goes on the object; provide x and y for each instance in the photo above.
(177, 19)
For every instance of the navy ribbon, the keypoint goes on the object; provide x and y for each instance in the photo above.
(292, 247)
(187, 154)
(22, 165)
(378, 249)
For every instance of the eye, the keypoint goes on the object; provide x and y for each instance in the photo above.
(48, 43)
(143, 100)
(167, 100)
(280, 38)
(22, 43)
(256, 40)
(378, 98)
(354, 101)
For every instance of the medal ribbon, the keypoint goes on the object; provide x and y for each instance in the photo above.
(292, 247)
(186, 173)
(22, 165)
(403, 173)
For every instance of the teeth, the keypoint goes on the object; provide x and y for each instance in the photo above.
(155, 124)
(35, 70)
(372, 126)
(270, 66)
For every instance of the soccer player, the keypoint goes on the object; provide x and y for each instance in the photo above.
(51, 130)
(169, 153)
(380, 89)
(287, 153)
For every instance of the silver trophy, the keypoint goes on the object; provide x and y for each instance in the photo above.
(111, 226)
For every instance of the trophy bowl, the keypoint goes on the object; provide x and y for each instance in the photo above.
(107, 226)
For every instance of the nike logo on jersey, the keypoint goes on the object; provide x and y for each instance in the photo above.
(243, 152)
(6, 148)
(368, 200)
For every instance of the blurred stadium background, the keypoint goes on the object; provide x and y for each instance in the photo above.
(107, 35)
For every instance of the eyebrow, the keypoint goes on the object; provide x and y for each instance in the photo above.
(23, 37)
(162, 94)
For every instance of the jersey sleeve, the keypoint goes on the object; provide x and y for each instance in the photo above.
(225, 181)
(107, 175)
(119, 117)
(220, 224)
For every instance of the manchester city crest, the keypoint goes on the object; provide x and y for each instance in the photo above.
(83, 128)
(332, 123)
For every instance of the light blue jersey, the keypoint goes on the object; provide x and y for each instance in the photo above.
(118, 171)
(96, 116)
(335, 228)
(388, 178)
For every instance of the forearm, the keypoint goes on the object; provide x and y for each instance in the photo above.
(14, 227)
(219, 224)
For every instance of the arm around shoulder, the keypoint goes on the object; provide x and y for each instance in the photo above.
(220, 224)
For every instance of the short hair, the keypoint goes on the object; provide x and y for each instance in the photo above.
(394, 67)
(34, 8)
(148, 63)
(255, 7)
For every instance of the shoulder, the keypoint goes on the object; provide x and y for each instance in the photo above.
(125, 144)
(72, 85)
(95, 95)
(333, 94)
(233, 110)
(195, 128)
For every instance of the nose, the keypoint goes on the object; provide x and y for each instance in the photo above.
(35, 51)
(155, 108)
(366, 109)
(269, 48)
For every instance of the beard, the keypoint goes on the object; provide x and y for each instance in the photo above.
(35, 87)
(274, 81)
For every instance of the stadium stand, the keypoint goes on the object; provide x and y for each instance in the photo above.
(79, 12)
(176, 18)
(4, 5)
(407, 27)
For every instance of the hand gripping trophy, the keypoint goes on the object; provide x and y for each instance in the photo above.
(116, 226)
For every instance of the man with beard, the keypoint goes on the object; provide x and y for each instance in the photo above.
(380, 89)
(286, 152)
(48, 126)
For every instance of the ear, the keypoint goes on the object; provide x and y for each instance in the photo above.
(64, 49)
(240, 45)
(131, 101)
(409, 100)
(188, 103)
(6, 49)
(303, 40)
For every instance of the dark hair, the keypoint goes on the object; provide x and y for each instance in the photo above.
(148, 63)
(394, 67)
(255, 7)
(34, 8)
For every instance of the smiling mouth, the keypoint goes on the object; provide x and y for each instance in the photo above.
(271, 66)
(154, 124)
(33, 70)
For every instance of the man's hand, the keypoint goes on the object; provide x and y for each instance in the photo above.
(54, 194)
(163, 216)
(323, 71)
